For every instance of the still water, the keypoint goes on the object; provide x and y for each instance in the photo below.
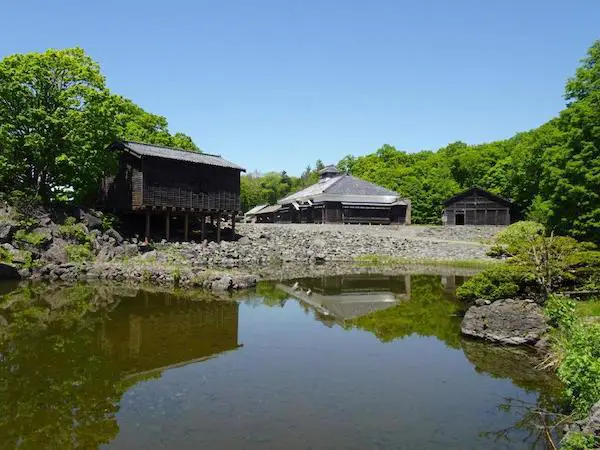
(355, 362)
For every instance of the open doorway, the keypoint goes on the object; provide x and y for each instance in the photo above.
(460, 219)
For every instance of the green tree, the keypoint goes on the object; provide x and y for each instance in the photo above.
(55, 120)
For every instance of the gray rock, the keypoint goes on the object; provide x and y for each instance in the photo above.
(245, 240)
(482, 302)
(223, 283)
(149, 255)
(509, 321)
(591, 425)
(6, 232)
(90, 218)
(8, 272)
(111, 232)
(57, 252)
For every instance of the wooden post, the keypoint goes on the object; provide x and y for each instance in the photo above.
(147, 234)
(186, 226)
(203, 220)
(218, 226)
(233, 225)
(167, 225)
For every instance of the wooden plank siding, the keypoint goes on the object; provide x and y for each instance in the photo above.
(477, 208)
(159, 183)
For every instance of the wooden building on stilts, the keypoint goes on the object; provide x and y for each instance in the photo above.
(161, 183)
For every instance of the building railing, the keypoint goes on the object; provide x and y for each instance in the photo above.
(184, 198)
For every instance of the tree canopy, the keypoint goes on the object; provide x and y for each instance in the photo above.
(56, 119)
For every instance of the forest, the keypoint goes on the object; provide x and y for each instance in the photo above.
(57, 117)
(552, 173)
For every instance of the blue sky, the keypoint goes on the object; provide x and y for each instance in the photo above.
(276, 84)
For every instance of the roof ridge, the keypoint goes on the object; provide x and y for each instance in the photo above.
(335, 181)
(172, 148)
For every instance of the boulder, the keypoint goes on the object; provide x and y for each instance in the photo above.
(90, 218)
(57, 252)
(9, 272)
(591, 425)
(6, 232)
(111, 232)
(509, 321)
(244, 241)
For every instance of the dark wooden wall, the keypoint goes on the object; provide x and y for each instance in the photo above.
(123, 191)
(163, 183)
(477, 209)
(335, 212)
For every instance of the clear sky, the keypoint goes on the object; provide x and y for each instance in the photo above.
(276, 84)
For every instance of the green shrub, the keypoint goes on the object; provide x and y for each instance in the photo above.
(79, 253)
(514, 237)
(579, 369)
(502, 281)
(33, 238)
(73, 231)
(561, 311)
(109, 221)
(579, 441)
(5, 256)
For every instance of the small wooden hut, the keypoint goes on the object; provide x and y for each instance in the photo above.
(477, 206)
(159, 181)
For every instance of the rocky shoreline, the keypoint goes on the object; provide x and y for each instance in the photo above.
(47, 247)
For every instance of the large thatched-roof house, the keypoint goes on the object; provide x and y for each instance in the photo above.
(341, 198)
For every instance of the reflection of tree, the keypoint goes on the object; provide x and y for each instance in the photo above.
(541, 422)
(50, 368)
(66, 360)
(431, 311)
(270, 295)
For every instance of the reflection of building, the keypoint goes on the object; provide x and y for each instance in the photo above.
(351, 296)
(151, 333)
(452, 282)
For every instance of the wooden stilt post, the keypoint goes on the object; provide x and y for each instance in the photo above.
(167, 225)
(212, 219)
(186, 226)
(218, 226)
(233, 226)
(147, 231)
(203, 225)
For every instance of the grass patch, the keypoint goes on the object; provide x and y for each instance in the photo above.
(392, 261)
(79, 253)
(588, 308)
(73, 231)
(33, 238)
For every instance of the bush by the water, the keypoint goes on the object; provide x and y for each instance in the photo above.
(576, 347)
(502, 281)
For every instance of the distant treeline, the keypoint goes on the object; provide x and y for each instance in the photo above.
(552, 172)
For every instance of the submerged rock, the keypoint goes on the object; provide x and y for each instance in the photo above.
(9, 272)
(509, 321)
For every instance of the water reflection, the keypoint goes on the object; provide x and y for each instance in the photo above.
(73, 359)
(64, 370)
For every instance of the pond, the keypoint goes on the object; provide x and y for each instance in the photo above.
(363, 361)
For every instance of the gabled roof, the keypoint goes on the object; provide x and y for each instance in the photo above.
(479, 191)
(140, 149)
(343, 188)
(269, 209)
(256, 209)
